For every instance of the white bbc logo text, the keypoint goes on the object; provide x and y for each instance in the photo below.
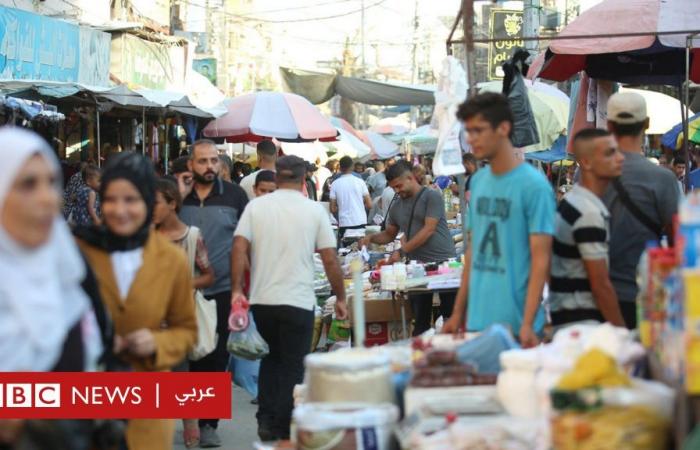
(24, 395)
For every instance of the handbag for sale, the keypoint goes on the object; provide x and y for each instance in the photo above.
(204, 309)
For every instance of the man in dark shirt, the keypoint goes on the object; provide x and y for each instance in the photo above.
(214, 206)
(419, 213)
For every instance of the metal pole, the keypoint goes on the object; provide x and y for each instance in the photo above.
(364, 61)
(143, 132)
(468, 27)
(99, 146)
(686, 101)
(532, 22)
(166, 144)
(414, 68)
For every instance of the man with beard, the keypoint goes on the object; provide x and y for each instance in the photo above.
(214, 206)
(419, 213)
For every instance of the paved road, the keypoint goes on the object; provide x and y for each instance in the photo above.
(237, 434)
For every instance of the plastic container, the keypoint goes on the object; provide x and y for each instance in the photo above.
(340, 426)
(516, 382)
(350, 375)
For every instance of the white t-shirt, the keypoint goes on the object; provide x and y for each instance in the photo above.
(349, 192)
(284, 229)
(248, 183)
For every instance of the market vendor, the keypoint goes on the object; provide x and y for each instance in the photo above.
(419, 213)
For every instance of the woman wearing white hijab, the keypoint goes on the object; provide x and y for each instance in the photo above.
(43, 308)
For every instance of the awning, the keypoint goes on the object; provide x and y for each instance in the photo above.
(319, 87)
(119, 95)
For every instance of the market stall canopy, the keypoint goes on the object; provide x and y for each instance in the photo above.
(309, 151)
(556, 153)
(381, 146)
(673, 138)
(120, 95)
(349, 145)
(550, 110)
(663, 110)
(651, 52)
(319, 87)
(257, 116)
(391, 125)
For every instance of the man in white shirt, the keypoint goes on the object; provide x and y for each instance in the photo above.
(377, 182)
(350, 199)
(277, 237)
(267, 156)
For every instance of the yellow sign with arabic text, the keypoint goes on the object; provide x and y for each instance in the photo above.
(506, 24)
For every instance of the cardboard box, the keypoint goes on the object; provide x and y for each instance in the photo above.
(380, 333)
(382, 310)
(377, 333)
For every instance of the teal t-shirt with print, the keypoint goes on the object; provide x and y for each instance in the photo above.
(504, 211)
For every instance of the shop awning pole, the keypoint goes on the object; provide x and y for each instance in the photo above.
(166, 144)
(99, 146)
(143, 133)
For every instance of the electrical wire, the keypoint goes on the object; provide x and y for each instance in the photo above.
(269, 11)
(309, 19)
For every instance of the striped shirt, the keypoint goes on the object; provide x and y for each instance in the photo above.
(582, 232)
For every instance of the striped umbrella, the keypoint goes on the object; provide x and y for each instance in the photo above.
(673, 138)
(263, 115)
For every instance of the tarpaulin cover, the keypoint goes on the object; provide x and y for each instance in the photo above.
(317, 87)
(320, 87)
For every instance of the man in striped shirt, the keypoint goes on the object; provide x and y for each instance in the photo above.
(580, 286)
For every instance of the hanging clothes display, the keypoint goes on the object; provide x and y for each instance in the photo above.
(524, 126)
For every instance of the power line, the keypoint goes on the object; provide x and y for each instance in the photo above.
(310, 19)
(291, 8)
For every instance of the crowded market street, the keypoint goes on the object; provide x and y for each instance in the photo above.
(350, 224)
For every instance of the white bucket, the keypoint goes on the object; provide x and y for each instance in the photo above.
(341, 426)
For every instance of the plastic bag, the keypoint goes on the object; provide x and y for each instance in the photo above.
(485, 350)
(247, 344)
(245, 374)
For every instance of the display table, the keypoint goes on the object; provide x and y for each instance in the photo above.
(401, 297)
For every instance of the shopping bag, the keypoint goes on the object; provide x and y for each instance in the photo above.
(205, 310)
(206, 327)
(247, 344)
(245, 374)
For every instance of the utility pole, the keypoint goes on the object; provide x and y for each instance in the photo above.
(531, 25)
(364, 62)
(414, 67)
(469, 58)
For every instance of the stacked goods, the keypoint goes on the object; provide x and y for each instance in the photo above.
(440, 368)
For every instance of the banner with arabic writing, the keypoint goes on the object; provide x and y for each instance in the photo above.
(506, 24)
(34, 47)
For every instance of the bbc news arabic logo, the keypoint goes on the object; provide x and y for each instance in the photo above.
(111, 395)
(24, 395)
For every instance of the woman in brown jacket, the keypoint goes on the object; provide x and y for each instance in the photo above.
(145, 283)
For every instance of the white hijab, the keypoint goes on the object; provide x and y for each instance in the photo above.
(40, 294)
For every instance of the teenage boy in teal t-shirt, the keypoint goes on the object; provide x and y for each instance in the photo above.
(511, 223)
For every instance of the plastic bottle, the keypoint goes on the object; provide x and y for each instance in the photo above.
(238, 318)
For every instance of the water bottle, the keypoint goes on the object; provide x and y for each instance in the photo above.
(238, 318)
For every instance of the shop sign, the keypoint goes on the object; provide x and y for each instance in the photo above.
(94, 57)
(206, 67)
(505, 24)
(147, 64)
(35, 47)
